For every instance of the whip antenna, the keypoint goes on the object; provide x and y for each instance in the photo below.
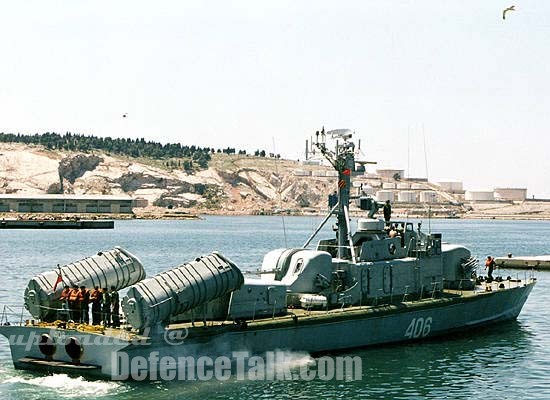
(279, 190)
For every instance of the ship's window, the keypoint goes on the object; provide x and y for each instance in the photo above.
(298, 266)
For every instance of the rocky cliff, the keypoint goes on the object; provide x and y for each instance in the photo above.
(231, 184)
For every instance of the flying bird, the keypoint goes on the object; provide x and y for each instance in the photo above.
(124, 115)
(511, 8)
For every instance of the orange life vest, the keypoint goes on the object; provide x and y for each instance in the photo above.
(73, 296)
(65, 294)
(81, 295)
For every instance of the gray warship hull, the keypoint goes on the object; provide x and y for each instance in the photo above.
(305, 331)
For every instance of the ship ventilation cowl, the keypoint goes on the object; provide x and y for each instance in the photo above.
(155, 300)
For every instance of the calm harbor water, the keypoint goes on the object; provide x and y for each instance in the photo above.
(510, 360)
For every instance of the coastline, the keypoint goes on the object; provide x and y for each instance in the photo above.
(435, 211)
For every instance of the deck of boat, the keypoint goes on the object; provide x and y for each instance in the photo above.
(304, 316)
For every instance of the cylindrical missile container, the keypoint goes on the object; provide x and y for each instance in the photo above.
(155, 300)
(116, 267)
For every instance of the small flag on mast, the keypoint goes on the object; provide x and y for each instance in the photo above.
(59, 278)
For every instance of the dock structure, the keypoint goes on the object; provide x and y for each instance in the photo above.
(56, 224)
(528, 262)
(66, 203)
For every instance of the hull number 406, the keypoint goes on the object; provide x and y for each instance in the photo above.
(419, 328)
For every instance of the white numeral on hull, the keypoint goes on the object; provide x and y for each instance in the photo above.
(419, 327)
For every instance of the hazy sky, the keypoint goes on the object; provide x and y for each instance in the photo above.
(240, 73)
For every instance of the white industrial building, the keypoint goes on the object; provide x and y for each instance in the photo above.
(479, 195)
(514, 194)
(65, 203)
(429, 196)
(451, 186)
(407, 196)
(383, 195)
(418, 186)
(388, 185)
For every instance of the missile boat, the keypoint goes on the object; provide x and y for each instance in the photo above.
(385, 282)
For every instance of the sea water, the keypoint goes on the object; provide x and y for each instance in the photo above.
(508, 360)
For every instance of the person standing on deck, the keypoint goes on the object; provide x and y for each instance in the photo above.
(73, 306)
(115, 312)
(106, 307)
(64, 298)
(490, 267)
(387, 212)
(96, 297)
(84, 305)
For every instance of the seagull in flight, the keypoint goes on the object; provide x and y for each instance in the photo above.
(511, 8)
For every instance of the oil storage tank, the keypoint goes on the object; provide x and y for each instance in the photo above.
(116, 267)
(173, 292)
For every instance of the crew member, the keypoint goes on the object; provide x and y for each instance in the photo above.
(387, 212)
(95, 298)
(74, 309)
(115, 307)
(64, 298)
(106, 307)
(84, 297)
(490, 266)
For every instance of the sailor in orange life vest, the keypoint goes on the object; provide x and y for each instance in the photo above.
(84, 298)
(64, 298)
(490, 266)
(74, 305)
(95, 298)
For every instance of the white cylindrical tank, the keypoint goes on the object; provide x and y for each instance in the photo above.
(417, 186)
(479, 195)
(180, 289)
(383, 195)
(406, 196)
(301, 172)
(388, 185)
(516, 194)
(116, 267)
(331, 173)
(319, 173)
(450, 186)
(403, 185)
(368, 190)
(428, 196)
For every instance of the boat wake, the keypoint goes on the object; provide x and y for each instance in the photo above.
(293, 359)
(66, 386)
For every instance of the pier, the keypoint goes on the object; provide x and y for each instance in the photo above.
(56, 224)
(534, 262)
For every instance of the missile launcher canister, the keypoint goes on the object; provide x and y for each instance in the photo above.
(155, 300)
(116, 267)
